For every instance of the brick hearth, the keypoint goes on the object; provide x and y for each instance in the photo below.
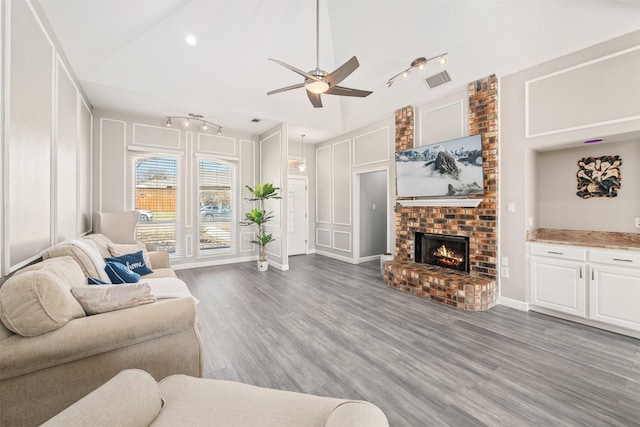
(476, 290)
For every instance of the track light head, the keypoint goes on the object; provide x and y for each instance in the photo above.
(420, 64)
(195, 117)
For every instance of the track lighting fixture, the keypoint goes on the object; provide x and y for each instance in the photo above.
(195, 118)
(420, 64)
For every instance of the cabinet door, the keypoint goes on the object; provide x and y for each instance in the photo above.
(614, 296)
(558, 285)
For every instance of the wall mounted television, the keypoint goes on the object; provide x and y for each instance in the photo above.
(445, 169)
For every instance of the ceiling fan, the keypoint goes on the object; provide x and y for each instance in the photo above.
(318, 81)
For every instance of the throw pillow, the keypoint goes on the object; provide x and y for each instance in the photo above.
(37, 299)
(134, 262)
(84, 252)
(117, 250)
(101, 299)
(94, 281)
(119, 273)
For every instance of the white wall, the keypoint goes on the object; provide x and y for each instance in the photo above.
(576, 84)
(337, 161)
(46, 142)
(274, 149)
(117, 134)
(560, 208)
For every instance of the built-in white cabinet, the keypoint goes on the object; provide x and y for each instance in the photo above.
(600, 285)
(614, 288)
(558, 278)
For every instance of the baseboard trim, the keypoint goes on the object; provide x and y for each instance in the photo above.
(334, 256)
(513, 303)
(211, 263)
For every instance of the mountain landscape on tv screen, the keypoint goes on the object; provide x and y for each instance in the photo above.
(452, 168)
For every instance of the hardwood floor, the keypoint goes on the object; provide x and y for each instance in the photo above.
(330, 328)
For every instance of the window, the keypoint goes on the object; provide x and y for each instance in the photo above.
(216, 196)
(156, 197)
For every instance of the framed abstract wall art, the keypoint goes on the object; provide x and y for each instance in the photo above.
(599, 176)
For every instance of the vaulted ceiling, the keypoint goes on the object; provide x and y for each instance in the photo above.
(131, 56)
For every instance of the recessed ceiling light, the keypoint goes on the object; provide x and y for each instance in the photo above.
(191, 40)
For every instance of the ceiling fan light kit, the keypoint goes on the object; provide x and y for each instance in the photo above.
(318, 81)
(420, 64)
(195, 118)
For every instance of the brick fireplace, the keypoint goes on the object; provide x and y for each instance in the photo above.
(474, 289)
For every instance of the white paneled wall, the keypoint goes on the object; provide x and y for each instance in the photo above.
(324, 182)
(341, 182)
(273, 161)
(337, 163)
(118, 134)
(443, 122)
(46, 142)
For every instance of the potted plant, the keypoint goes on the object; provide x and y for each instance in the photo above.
(261, 217)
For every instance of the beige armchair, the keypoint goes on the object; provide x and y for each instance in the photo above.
(120, 227)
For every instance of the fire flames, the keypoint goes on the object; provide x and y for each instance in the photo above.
(447, 256)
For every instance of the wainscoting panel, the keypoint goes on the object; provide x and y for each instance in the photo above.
(342, 241)
(323, 237)
(85, 175)
(156, 136)
(581, 95)
(112, 178)
(323, 185)
(28, 152)
(341, 183)
(442, 123)
(270, 171)
(275, 248)
(371, 147)
(217, 144)
(66, 141)
(245, 242)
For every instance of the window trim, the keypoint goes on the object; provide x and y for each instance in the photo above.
(136, 152)
(235, 208)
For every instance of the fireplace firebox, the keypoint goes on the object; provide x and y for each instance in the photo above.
(442, 250)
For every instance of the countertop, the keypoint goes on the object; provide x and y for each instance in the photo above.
(592, 239)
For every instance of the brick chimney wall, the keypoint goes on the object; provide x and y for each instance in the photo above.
(479, 224)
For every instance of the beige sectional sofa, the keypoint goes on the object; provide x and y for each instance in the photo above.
(134, 399)
(52, 353)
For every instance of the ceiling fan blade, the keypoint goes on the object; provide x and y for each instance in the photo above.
(342, 72)
(345, 91)
(295, 70)
(315, 99)
(283, 89)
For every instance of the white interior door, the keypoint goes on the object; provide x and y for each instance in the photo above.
(297, 216)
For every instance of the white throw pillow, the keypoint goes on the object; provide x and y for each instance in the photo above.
(86, 255)
(103, 298)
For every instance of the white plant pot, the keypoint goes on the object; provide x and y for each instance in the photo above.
(384, 258)
(263, 265)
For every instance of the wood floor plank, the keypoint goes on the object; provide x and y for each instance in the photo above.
(334, 329)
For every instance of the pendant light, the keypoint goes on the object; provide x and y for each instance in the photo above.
(301, 165)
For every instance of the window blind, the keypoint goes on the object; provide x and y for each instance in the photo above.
(216, 195)
(155, 179)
